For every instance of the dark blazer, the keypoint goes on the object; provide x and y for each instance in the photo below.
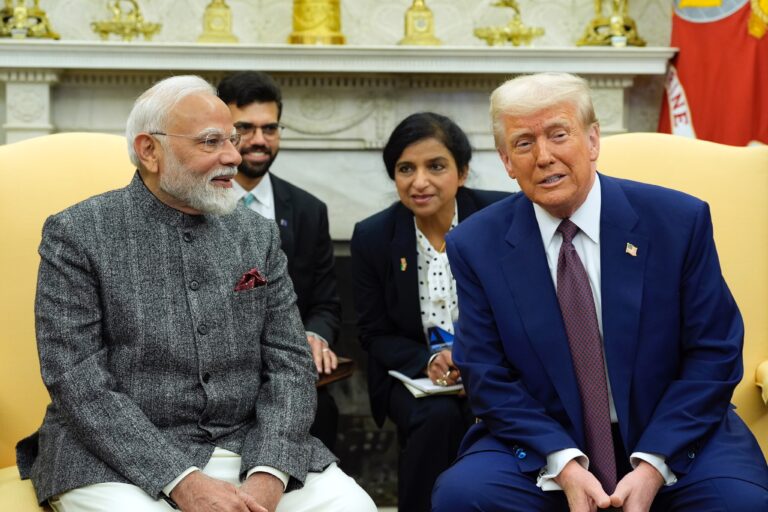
(672, 336)
(152, 358)
(304, 237)
(387, 292)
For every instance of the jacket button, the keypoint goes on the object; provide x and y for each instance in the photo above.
(194, 285)
(206, 377)
(691, 454)
(521, 454)
(202, 329)
(187, 237)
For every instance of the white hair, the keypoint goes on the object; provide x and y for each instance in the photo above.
(528, 94)
(151, 109)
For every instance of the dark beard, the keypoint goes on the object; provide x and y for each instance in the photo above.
(254, 171)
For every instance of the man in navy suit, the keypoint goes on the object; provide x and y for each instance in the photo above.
(668, 333)
(255, 101)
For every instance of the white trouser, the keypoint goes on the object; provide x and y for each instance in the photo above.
(329, 491)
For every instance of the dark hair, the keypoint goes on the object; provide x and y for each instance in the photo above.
(246, 87)
(427, 125)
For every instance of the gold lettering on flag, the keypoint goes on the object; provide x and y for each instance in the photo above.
(758, 18)
(700, 3)
(680, 119)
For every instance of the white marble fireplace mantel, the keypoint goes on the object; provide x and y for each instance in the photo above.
(341, 102)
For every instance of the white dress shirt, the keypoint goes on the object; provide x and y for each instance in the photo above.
(587, 245)
(265, 199)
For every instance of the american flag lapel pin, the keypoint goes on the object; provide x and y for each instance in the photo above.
(403, 265)
(631, 249)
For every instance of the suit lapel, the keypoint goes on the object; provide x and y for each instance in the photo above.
(622, 289)
(403, 266)
(525, 268)
(284, 216)
(465, 203)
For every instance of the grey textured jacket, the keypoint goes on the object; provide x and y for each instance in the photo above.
(150, 356)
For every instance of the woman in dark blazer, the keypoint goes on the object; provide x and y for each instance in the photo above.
(404, 291)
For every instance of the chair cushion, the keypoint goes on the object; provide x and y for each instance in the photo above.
(17, 495)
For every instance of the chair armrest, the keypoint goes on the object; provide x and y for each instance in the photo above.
(761, 379)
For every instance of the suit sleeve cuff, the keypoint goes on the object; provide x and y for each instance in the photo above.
(169, 488)
(281, 475)
(658, 462)
(318, 337)
(556, 461)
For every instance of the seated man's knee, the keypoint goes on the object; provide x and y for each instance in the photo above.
(453, 492)
(741, 495)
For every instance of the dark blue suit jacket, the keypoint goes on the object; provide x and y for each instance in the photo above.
(672, 335)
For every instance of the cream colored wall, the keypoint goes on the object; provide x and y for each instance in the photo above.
(369, 22)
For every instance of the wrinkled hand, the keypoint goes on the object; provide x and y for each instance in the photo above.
(264, 487)
(637, 490)
(583, 490)
(442, 368)
(198, 492)
(325, 360)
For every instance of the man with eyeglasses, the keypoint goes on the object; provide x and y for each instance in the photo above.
(169, 339)
(255, 101)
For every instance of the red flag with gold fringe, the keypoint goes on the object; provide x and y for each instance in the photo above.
(717, 85)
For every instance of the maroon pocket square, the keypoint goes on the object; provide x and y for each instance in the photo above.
(250, 280)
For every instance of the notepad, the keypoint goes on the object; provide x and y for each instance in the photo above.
(424, 386)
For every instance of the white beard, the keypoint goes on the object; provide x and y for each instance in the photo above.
(197, 191)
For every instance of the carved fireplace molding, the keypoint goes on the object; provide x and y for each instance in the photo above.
(337, 97)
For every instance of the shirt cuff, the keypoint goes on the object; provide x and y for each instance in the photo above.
(169, 488)
(556, 461)
(272, 471)
(318, 337)
(658, 462)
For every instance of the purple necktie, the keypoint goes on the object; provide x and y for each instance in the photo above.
(578, 308)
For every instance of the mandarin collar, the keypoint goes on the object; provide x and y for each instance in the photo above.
(155, 209)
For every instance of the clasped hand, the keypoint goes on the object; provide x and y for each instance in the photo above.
(198, 492)
(634, 493)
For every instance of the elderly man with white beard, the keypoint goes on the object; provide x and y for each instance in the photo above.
(169, 338)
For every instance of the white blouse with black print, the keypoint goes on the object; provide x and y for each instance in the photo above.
(437, 288)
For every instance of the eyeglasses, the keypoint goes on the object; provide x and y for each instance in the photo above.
(269, 131)
(210, 143)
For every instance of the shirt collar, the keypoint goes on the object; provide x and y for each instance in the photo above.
(262, 192)
(587, 217)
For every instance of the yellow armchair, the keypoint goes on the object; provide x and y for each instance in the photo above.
(38, 177)
(734, 181)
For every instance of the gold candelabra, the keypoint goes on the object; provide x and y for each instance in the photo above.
(617, 29)
(419, 25)
(126, 23)
(316, 22)
(19, 21)
(515, 31)
(217, 24)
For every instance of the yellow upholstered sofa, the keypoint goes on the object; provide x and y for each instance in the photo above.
(734, 181)
(38, 177)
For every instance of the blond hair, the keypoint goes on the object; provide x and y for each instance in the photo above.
(528, 94)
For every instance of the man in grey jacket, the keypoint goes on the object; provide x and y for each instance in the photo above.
(170, 341)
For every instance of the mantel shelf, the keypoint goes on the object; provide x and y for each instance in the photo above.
(478, 60)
